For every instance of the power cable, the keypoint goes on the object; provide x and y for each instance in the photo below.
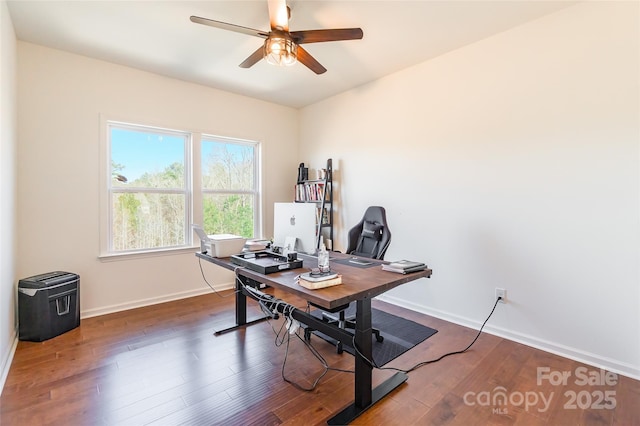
(289, 327)
(210, 286)
(423, 363)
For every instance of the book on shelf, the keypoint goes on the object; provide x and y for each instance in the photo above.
(322, 215)
(318, 191)
(309, 191)
(404, 266)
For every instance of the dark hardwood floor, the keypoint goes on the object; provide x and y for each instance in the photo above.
(163, 365)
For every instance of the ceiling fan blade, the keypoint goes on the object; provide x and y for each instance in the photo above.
(230, 27)
(309, 61)
(317, 36)
(253, 59)
(279, 15)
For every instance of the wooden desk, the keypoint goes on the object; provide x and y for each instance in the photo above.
(359, 285)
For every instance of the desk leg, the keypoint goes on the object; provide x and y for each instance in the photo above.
(365, 396)
(363, 341)
(241, 304)
(241, 310)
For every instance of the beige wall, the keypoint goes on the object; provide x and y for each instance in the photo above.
(61, 99)
(513, 163)
(8, 142)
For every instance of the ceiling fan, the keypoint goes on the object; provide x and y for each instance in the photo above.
(281, 46)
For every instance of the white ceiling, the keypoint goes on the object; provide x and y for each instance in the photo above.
(157, 36)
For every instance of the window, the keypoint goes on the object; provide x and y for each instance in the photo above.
(229, 188)
(150, 190)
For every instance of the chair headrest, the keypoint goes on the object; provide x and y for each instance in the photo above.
(372, 230)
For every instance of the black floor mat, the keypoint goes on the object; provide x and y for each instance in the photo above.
(399, 334)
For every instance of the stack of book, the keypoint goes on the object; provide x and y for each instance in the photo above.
(309, 191)
(314, 281)
(404, 266)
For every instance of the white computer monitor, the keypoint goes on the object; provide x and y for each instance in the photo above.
(295, 220)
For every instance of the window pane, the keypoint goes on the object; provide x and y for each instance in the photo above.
(227, 166)
(147, 158)
(142, 221)
(229, 214)
(149, 187)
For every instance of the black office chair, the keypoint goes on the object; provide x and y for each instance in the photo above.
(370, 238)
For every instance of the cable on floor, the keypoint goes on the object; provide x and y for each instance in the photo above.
(289, 327)
(372, 363)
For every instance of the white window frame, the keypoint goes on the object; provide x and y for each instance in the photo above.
(257, 221)
(193, 187)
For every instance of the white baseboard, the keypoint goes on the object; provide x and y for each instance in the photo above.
(151, 301)
(615, 366)
(7, 359)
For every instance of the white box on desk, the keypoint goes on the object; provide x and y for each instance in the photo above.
(224, 245)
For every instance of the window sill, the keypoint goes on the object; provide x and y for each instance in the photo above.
(115, 257)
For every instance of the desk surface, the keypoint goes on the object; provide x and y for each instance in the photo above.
(357, 283)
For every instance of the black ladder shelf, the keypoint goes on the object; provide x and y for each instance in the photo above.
(319, 191)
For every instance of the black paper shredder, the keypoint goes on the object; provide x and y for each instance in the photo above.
(48, 305)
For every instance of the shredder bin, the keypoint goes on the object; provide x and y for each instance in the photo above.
(48, 305)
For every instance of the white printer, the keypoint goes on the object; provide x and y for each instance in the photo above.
(219, 245)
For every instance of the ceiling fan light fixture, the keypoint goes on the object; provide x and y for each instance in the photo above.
(280, 51)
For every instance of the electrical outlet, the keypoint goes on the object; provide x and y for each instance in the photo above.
(502, 293)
